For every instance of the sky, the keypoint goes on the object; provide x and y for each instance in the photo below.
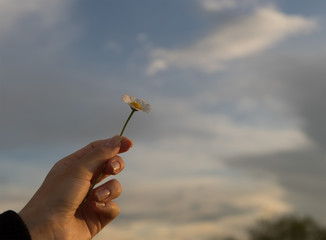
(237, 132)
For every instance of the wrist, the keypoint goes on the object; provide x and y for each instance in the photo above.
(38, 227)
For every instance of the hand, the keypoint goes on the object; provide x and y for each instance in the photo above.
(56, 212)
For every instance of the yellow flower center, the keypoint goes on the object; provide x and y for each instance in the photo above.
(136, 105)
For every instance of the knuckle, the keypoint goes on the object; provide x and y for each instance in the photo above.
(95, 144)
(99, 152)
(114, 210)
(116, 187)
(117, 211)
(117, 157)
(116, 184)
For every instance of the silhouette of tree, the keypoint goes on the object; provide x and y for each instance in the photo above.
(284, 228)
(287, 228)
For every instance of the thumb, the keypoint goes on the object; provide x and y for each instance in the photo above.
(100, 154)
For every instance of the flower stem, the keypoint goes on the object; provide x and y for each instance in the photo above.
(93, 185)
(123, 129)
(103, 170)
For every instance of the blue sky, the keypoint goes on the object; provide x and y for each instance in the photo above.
(237, 131)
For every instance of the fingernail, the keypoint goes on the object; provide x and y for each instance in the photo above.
(115, 166)
(102, 194)
(99, 204)
(114, 142)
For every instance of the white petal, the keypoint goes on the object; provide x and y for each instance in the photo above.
(140, 101)
(147, 108)
(126, 98)
(132, 99)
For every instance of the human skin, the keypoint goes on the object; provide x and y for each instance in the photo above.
(57, 210)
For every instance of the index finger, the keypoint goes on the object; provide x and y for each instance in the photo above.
(126, 144)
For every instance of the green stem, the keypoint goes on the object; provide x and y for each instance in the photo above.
(93, 185)
(123, 129)
(103, 170)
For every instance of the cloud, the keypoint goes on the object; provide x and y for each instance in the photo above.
(14, 12)
(304, 91)
(239, 38)
(285, 90)
(300, 173)
(195, 208)
(296, 80)
(215, 199)
(48, 107)
(220, 5)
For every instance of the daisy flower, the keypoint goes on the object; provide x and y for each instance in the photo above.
(135, 104)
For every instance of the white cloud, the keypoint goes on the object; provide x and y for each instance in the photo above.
(195, 208)
(218, 5)
(240, 38)
(46, 13)
(236, 139)
(195, 142)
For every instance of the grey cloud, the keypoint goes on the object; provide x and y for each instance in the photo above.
(48, 99)
(307, 85)
(297, 83)
(301, 173)
(47, 106)
(176, 206)
(285, 87)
